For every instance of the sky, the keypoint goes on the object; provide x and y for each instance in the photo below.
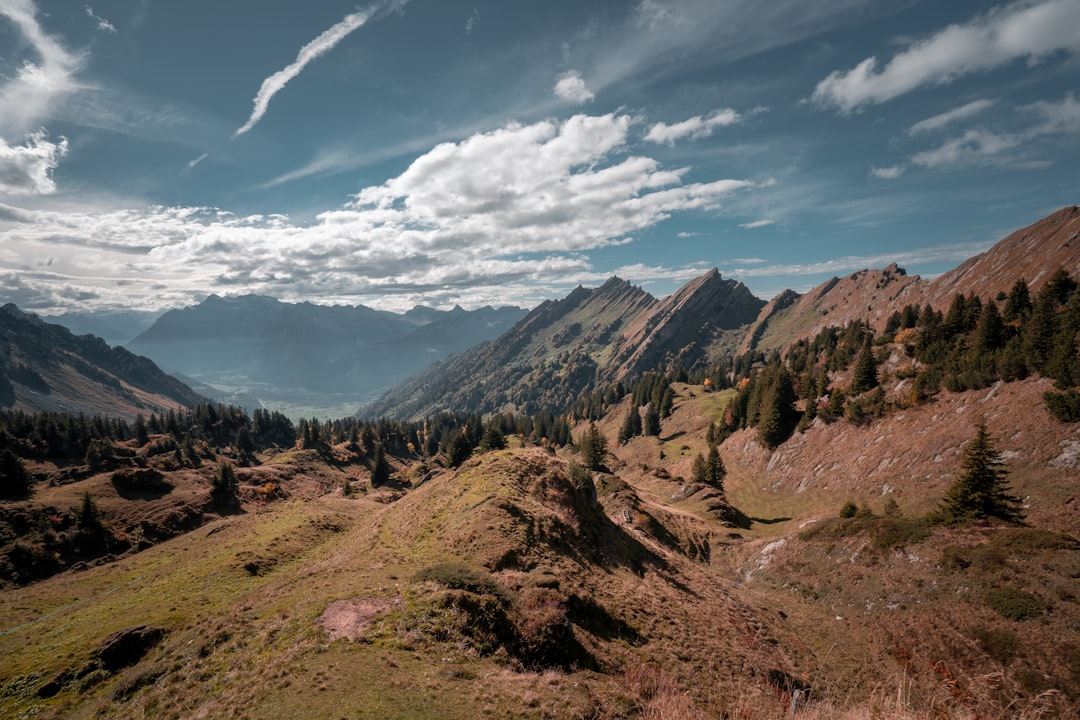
(444, 153)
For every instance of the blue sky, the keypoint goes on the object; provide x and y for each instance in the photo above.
(441, 152)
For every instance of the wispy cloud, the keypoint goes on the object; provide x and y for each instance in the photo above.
(571, 87)
(25, 99)
(470, 24)
(321, 45)
(757, 224)
(887, 173)
(699, 126)
(1025, 29)
(102, 24)
(191, 164)
(853, 263)
(938, 122)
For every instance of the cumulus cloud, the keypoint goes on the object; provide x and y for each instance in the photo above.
(321, 45)
(517, 205)
(757, 224)
(938, 122)
(699, 126)
(571, 87)
(1022, 30)
(27, 169)
(887, 173)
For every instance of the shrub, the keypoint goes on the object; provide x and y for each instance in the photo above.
(899, 532)
(849, 509)
(1063, 406)
(457, 576)
(1015, 604)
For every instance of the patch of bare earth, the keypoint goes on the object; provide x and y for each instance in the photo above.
(350, 619)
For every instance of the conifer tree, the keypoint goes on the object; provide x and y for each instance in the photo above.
(493, 438)
(380, 471)
(699, 471)
(980, 491)
(652, 421)
(715, 472)
(778, 416)
(1018, 303)
(593, 447)
(864, 376)
(631, 426)
(14, 479)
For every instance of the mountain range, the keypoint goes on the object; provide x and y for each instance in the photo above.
(308, 357)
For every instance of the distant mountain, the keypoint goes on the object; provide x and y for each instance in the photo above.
(114, 327)
(1032, 253)
(44, 367)
(564, 348)
(267, 348)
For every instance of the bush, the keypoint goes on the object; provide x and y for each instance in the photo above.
(1063, 406)
(849, 510)
(1015, 604)
(457, 576)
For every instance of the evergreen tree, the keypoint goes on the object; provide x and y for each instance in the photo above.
(593, 447)
(142, 436)
(980, 491)
(652, 421)
(631, 426)
(864, 376)
(778, 416)
(699, 471)
(1018, 303)
(493, 438)
(715, 472)
(14, 479)
(225, 483)
(459, 451)
(380, 471)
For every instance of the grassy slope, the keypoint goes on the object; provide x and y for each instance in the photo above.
(681, 615)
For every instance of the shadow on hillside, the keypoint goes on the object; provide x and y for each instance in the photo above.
(768, 521)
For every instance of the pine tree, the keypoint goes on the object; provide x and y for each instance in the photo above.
(864, 377)
(14, 479)
(593, 447)
(778, 416)
(380, 471)
(631, 426)
(225, 482)
(493, 438)
(699, 471)
(1018, 304)
(715, 472)
(980, 491)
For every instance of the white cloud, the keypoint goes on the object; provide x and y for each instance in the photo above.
(27, 169)
(938, 122)
(757, 224)
(696, 127)
(974, 147)
(26, 98)
(853, 263)
(1025, 29)
(1056, 117)
(887, 173)
(192, 163)
(321, 45)
(981, 147)
(102, 24)
(513, 207)
(470, 24)
(571, 87)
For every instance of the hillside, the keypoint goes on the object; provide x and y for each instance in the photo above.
(515, 586)
(43, 367)
(1032, 253)
(305, 358)
(565, 348)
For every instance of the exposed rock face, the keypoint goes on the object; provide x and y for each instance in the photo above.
(565, 348)
(1032, 253)
(685, 323)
